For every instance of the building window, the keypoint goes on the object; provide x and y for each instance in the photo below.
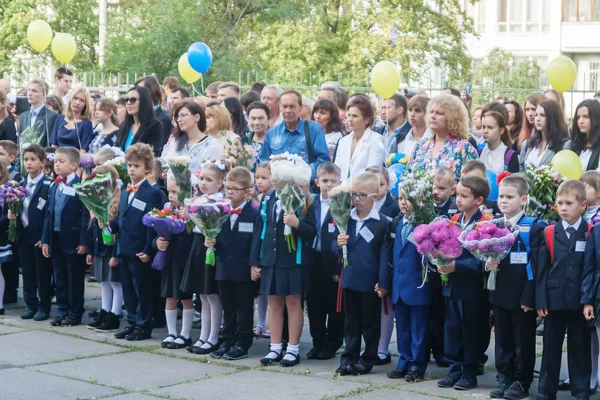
(581, 10)
(524, 16)
(477, 13)
(594, 76)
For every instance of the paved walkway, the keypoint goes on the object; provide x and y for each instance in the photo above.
(38, 361)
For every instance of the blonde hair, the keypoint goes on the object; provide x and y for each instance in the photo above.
(220, 114)
(86, 113)
(592, 178)
(3, 174)
(446, 174)
(368, 179)
(572, 187)
(457, 117)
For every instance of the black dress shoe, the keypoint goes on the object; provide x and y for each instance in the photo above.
(516, 391)
(396, 374)
(465, 384)
(564, 385)
(166, 342)
(312, 353)
(28, 314)
(342, 370)
(286, 362)
(57, 321)
(127, 331)
(70, 321)
(220, 352)
(236, 353)
(138, 335)
(269, 360)
(41, 315)
(384, 361)
(498, 393)
(207, 350)
(98, 320)
(449, 381)
(413, 376)
(179, 343)
(359, 368)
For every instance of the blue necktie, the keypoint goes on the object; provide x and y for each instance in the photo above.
(406, 229)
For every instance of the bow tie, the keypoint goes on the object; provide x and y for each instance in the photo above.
(132, 188)
(60, 179)
(237, 212)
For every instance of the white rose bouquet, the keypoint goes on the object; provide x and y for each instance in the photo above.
(417, 188)
(180, 168)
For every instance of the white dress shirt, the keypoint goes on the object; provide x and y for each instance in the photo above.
(515, 220)
(494, 159)
(34, 114)
(408, 144)
(234, 217)
(585, 158)
(533, 158)
(369, 151)
(565, 225)
(132, 193)
(359, 222)
(31, 183)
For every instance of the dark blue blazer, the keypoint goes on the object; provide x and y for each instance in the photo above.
(33, 233)
(390, 207)
(407, 273)
(233, 247)
(135, 237)
(368, 263)
(326, 261)
(273, 250)
(98, 246)
(591, 270)
(448, 209)
(466, 282)
(74, 222)
(488, 204)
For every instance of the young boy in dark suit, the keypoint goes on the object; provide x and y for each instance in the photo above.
(513, 300)
(65, 237)
(461, 335)
(134, 244)
(37, 270)
(366, 279)
(232, 247)
(559, 294)
(326, 325)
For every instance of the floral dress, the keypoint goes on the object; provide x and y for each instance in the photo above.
(453, 154)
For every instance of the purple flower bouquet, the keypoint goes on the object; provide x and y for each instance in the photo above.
(12, 194)
(87, 163)
(166, 223)
(490, 240)
(438, 241)
(208, 213)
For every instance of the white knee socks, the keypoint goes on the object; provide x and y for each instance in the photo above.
(187, 319)
(387, 327)
(107, 296)
(171, 317)
(205, 326)
(216, 313)
(262, 303)
(117, 297)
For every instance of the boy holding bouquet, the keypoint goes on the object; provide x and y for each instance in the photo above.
(463, 294)
(513, 300)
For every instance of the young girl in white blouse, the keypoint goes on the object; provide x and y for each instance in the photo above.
(497, 155)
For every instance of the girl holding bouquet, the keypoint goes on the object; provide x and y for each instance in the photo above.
(283, 273)
(198, 277)
(5, 245)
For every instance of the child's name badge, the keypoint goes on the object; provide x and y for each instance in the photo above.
(330, 228)
(580, 246)
(41, 204)
(47, 182)
(246, 227)
(140, 205)
(366, 234)
(69, 191)
(452, 211)
(411, 238)
(518, 257)
(524, 228)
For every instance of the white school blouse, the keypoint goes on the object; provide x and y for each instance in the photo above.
(370, 151)
(493, 159)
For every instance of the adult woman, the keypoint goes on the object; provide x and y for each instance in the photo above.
(121, 109)
(586, 134)
(106, 115)
(74, 129)
(238, 121)
(8, 129)
(417, 106)
(218, 125)
(188, 136)
(327, 114)
(449, 146)
(362, 148)
(548, 138)
(258, 118)
(476, 125)
(515, 121)
(529, 121)
(140, 125)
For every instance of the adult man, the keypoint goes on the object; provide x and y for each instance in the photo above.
(228, 89)
(212, 90)
(290, 135)
(397, 126)
(178, 95)
(333, 91)
(63, 80)
(307, 106)
(270, 96)
(39, 118)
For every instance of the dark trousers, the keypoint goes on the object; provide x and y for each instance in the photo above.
(237, 299)
(515, 345)
(69, 281)
(485, 330)
(363, 319)
(37, 277)
(436, 320)
(326, 325)
(411, 336)
(136, 278)
(159, 302)
(461, 336)
(578, 352)
(10, 271)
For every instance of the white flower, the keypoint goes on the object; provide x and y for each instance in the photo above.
(178, 160)
(115, 161)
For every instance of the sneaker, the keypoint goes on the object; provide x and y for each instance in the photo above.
(413, 376)
(498, 393)
(220, 352)
(450, 380)
(236, 353)
(56, 321)
(98, 320)
(516, 392)
(466, 384)
(28, 314)
(127, 331)
(110, 323)
(70, 321)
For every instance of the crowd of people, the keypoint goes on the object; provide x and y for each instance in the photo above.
(345, 139)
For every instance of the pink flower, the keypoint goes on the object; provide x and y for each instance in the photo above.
(473, 235)
(425, 246)
(488, 228)
(421, 232)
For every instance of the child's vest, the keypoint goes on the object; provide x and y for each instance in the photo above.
(507, 155)
(549, 233)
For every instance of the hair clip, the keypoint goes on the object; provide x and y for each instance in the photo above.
(217, 164)
(51, 156)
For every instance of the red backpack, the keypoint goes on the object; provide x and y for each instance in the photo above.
(549, 236)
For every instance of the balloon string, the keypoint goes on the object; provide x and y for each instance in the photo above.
(194, 89)
(202, 83)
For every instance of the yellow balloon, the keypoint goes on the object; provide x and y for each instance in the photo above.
(567, 163)
(63, 47)
(385, 79)
(39, 35)
(186, 71)
(561, 73)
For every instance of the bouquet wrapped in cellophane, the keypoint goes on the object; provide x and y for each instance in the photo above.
(208, 212)
(543, 184)
(240, 156)
(166, 223)
(180, 168)
(291, 177)
(96, 194)
(490, 240)
(121, 167)
(12, 195)
(417, 188)
(340, 205)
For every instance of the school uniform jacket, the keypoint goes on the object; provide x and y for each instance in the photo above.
(559, 284)
(513, 287)
(98, 246)
(448, 209)
(233, 246)
(74, 221)
(328, 232)
(390, 207)
(135, 237)
(36, 213)
(591, 270)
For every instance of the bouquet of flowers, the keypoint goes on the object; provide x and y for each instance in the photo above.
(340, 204)
(208, 213)
(180, 168)
(166, 223)
(12, 195)
(29, 136)
(543, 184)
(87, 163)
(417, 188)
(490, 240)
(119, 164)
(240, 156)
(96, 194)
(438, 241)
(291, 177)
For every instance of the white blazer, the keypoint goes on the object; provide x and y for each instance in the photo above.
(369, 151)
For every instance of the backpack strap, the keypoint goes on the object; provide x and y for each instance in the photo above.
(309, 146)
(549, 232)
(507, 156)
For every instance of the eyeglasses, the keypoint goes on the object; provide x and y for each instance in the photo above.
(233, 189)
(361, 196)
(179, 116)
(131, 100)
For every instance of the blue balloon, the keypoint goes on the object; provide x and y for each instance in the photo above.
(199, 57)
(395, 171)
(493, 185)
